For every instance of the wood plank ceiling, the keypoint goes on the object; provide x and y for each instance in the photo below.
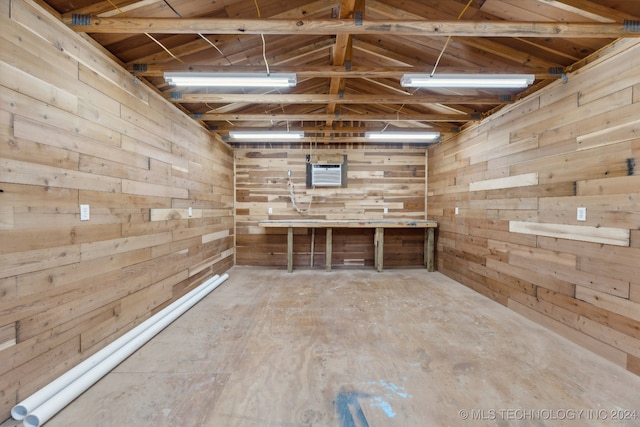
(348, 55)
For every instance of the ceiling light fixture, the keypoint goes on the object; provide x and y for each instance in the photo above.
(266, 135)
(407, 136)
(468, 80)
(231, 79)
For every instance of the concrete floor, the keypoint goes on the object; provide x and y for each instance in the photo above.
(356, 348)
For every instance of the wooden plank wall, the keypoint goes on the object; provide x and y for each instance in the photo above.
(379, 176)
(518, 178)
(75, 128)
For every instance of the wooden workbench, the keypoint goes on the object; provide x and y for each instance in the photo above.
(379, 226)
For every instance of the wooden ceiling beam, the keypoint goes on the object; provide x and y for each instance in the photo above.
(94, 24)
(328, 140)
(316, 129)
(330, 130)
(215, 98)
(442, 127)
(158, 70)
(338, 117)
(341, 51)
(342, 46)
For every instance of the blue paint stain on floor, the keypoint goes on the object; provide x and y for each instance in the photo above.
(349, 409)
(397, 390)
(344, 404)
(393, 391)
(384, 405)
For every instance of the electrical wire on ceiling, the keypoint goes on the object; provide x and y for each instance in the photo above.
(446, 43)
(164, 48)
(115, 6)
(397, 113)
(264, 43)
(284, 112)
(200, 34)
(402, 106)
(216, 48)
(266, 63)
(172, 8)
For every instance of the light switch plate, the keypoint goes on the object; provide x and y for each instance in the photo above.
(582, 214)
(457, 210)
(190, 211)
(386, 210)
(85, 212)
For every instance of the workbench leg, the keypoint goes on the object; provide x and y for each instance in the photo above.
(429, 249)
(313, 244)
(290, 249)
(379, 248)
(328, 249)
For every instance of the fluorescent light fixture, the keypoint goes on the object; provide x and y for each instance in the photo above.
(266, 135)
(468, 80)
(407, 136)
(231, 79)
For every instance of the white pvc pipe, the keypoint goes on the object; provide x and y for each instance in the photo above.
(44, 412)
(58, 388)
(21, 410)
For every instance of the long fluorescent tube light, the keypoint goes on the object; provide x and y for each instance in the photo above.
(468, 80)
(266, 135)
(403, 136)
(231, 79)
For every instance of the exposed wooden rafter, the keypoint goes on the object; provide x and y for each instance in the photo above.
(94, 24)
(157, 70)
(342, 50)
(343, 117)
(217, 98)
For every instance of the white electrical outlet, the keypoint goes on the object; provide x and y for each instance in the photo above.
(457, 210)
(85, 212)
(190, 211)
(386, 210)
(582, 214)
(270, 211)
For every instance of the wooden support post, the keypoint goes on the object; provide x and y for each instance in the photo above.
(313, 244)
(429, 246)
(375, 248)
(328, 249)
(290, 249)
(379, 248)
